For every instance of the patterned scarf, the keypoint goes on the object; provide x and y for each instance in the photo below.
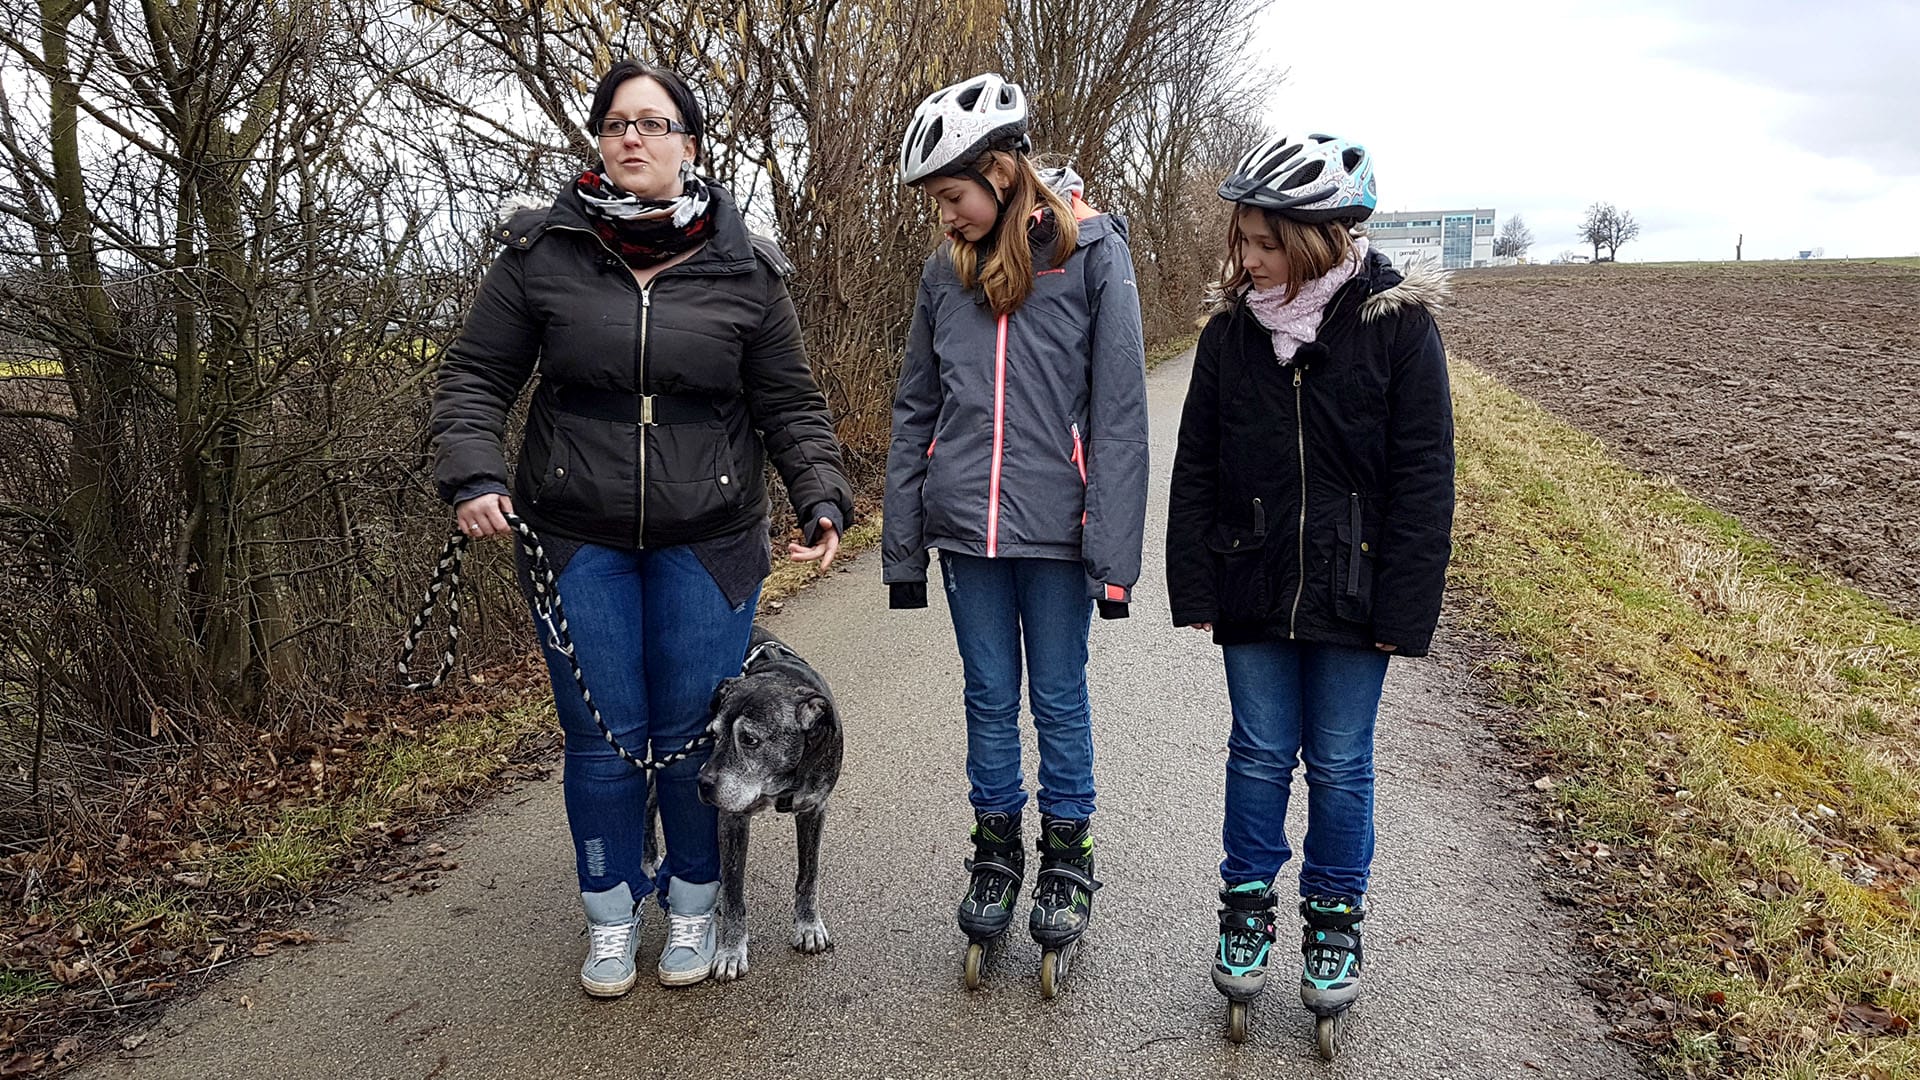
(1296, 322)
(648, 232)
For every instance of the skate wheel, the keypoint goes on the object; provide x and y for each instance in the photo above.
(1326, 1034)
(1236, 1021)
(976, 959)
(1050, 974)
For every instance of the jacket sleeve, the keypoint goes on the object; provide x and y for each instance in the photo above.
(916, 407)
(1116, 427)
(481, 375)
(1416, 538)
(787, 407)
(1193, 493)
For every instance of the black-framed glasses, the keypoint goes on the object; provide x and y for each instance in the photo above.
(612, 127)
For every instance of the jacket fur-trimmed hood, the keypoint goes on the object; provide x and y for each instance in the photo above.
(1421, 284)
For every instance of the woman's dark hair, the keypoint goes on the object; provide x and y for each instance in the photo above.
(676, 87)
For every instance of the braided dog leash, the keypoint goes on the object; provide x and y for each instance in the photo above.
(546, 607)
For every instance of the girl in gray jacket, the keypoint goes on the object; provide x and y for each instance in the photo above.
(1019, 453)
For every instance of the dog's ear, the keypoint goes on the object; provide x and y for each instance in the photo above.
(716, 709)
(811, 711)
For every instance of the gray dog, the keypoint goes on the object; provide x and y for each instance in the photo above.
(776, 744)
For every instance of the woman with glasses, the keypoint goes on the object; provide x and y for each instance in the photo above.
(671, 368)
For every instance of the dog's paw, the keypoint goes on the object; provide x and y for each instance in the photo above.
(730, 961)
(811, 937)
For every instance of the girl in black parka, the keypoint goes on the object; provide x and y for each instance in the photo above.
(1308, 529)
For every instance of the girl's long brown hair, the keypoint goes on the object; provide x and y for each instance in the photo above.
(1006, 273)
(1312, 251)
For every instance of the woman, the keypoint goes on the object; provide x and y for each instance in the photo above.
(1019, 453)
(665, 340)
(1309, 525)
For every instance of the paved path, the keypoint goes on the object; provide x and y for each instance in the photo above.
(1470, 974)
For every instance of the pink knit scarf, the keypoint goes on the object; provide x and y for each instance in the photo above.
(1294, 323)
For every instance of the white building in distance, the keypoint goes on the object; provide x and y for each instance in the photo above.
(1458, 238)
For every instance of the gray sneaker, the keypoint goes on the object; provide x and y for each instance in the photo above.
(613, 930)
(688, 957)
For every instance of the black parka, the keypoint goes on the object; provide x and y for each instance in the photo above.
(1313, 501)
(656, 408)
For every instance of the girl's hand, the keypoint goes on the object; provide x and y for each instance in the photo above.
(825, 550)
(1206, 626)
(1384, 647)
(484, 516)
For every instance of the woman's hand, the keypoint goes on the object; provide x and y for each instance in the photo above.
(484, 516)
(825, 550)
(1205, 626)
(1384, 647)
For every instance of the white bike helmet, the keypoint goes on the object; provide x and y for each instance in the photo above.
(955, 125)
(1313, 178)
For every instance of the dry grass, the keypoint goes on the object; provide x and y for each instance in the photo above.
(1735, 735)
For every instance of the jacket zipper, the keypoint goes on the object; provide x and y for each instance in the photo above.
(999, 438)
(646, 417)
(1259, 521)
(1354, 545)
(640, 357)
(1300, 585)
(1080, 462)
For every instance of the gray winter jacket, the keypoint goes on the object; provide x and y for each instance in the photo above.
(1024, 436)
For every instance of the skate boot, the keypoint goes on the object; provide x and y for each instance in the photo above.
(1330, 979)
(1246, 944)
(1062, 896)
(997, 866)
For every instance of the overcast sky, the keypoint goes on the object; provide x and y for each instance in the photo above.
(1792, 121)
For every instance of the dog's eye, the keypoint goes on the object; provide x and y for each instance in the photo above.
(748, 740)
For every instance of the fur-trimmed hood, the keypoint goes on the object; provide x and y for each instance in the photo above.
(1421, 284)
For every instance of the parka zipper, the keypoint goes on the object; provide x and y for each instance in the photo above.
(640, 372)
(999, 439)
(1300, 585)
(646, 417)
(1355, 547)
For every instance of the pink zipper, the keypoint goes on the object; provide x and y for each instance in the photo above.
(999, 438)
(1080, 461)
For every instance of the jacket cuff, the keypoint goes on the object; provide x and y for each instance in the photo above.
(823, 509)
(1112, 609)
(473, 489)
(907, 594)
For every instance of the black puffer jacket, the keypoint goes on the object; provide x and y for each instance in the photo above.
(713, 343)
(1314, 501)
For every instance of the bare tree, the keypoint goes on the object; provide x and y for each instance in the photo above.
(1607, 226)
(224, 260)
(1514, 239)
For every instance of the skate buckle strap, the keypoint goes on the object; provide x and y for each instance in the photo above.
(993, 866)
(1247, 901)
(1246, 920)
(1330, 939)
(1070, 872)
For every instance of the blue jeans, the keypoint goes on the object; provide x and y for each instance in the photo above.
(1294, 700)
(654, 636)
(997, 605)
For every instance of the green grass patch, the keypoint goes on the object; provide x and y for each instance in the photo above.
(1170, 350)
(20, 987)
(1748, 730)
(400, 776)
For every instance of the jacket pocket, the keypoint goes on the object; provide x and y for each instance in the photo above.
(691, 481)
(1242, 583)
(1353, 565)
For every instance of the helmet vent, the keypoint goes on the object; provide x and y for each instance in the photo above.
(1304, 175)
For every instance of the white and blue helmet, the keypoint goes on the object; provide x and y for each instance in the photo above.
(1310, 178)
(958, 123)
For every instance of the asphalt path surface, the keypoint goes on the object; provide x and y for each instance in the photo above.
(1470, 973)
